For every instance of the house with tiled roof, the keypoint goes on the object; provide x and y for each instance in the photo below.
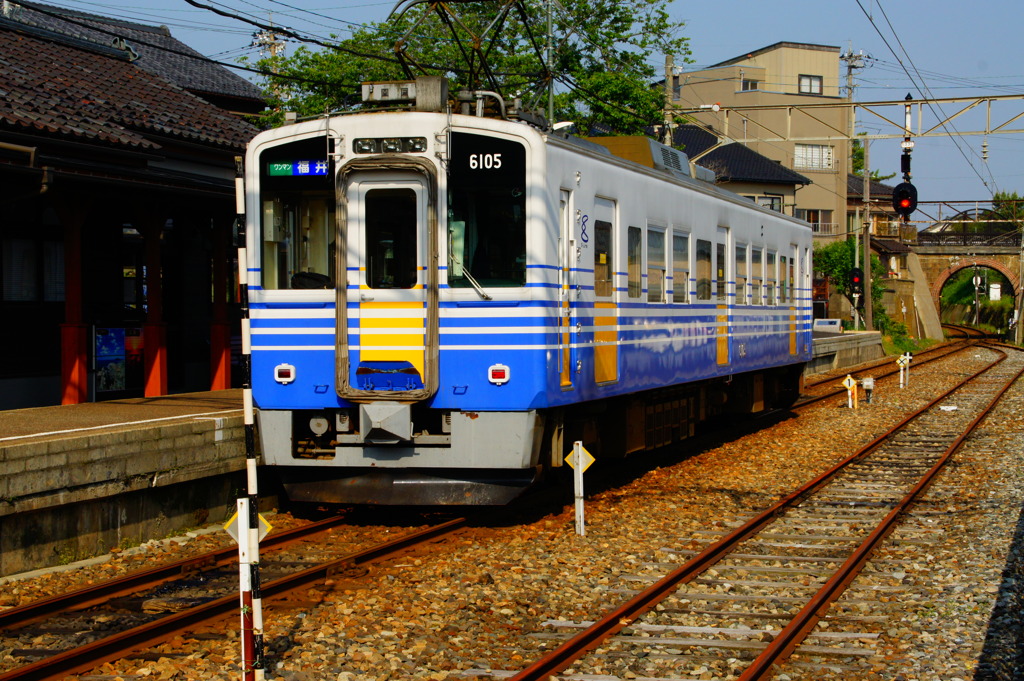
(118, 191)
(740, 169)
(151, 48)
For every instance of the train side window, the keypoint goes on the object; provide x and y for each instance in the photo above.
(741, 274)
(756, 276)
(680, 268)
(703, 269)
(783, 280)
(634, 254)
(655, 266)
(720, 278)
(792, 276)
(603, 284)
(770, 280)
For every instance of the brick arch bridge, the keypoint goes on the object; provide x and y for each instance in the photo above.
(943, 255)
(998, 264)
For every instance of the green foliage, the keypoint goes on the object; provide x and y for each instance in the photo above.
(857, 157)
(835, 261)
(601, 59)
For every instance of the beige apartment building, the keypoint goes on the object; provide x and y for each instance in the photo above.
(782, 78)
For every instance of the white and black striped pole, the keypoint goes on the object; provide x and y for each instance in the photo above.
(248, 507)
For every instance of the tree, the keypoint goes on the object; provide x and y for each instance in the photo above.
(835, 261)
(601, 59)
(857, 156)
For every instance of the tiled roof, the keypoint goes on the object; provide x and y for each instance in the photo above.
(855, 188)
(64, 89)
(733, 162)
(158, 51)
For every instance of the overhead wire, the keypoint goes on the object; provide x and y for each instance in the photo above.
(922, 88)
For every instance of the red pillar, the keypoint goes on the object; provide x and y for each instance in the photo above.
(220, 328)
(154, 330)
(74, 333)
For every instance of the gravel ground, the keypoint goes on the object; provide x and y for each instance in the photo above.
(480, 603)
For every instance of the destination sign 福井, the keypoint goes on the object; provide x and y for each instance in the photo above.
(297, 168)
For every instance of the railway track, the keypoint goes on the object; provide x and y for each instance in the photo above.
(824, 388)
(749, 600)
(55, 617)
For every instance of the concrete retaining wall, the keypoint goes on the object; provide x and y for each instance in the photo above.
(844, 349)
(75, 496)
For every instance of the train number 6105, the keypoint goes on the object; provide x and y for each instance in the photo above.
(484, 161)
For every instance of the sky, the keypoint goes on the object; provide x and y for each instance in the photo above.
(949, 48)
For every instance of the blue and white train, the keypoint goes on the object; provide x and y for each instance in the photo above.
(441, 303)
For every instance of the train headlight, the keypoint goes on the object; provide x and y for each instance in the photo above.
(391, 145)
(284, 373)
(498, 374)
(366, 146)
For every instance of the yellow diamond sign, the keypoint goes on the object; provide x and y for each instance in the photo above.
(586, 458)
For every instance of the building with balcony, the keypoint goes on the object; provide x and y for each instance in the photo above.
(754, 100)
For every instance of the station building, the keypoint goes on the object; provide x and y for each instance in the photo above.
(117, 165)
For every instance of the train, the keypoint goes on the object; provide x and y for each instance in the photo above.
(446, 292)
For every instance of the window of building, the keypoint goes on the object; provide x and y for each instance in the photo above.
(820, 219)
(633, 255)
(810, 85)
(771, 202)
(680, 268)
(813, 157)
(748, 84)
(655, 266)
(32, 270)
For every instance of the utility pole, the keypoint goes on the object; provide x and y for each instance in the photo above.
(669, 73)
(868, 316)
(853, 62)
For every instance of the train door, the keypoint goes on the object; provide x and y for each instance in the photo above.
(722, 275)
(568, 286)
(606, 321)
(387, 345)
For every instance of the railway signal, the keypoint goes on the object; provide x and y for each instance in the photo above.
(856, 281)
(904, 199)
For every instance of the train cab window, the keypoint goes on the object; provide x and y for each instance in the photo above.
(703, 271)
(486, 212)
(756, 277)
(680, 268)
(603, 283)
(390, 246)
(741, 274)
(297, 215)
(633, 255)
(655, 266)
(770, 281)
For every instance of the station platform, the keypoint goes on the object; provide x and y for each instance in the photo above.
(81, 479)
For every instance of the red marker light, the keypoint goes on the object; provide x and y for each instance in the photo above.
(498, 374)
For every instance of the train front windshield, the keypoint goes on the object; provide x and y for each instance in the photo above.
(486, 212)
(297, 205)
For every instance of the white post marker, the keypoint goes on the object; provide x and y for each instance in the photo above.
(902, 362)
(851, 391)
(579, 459)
